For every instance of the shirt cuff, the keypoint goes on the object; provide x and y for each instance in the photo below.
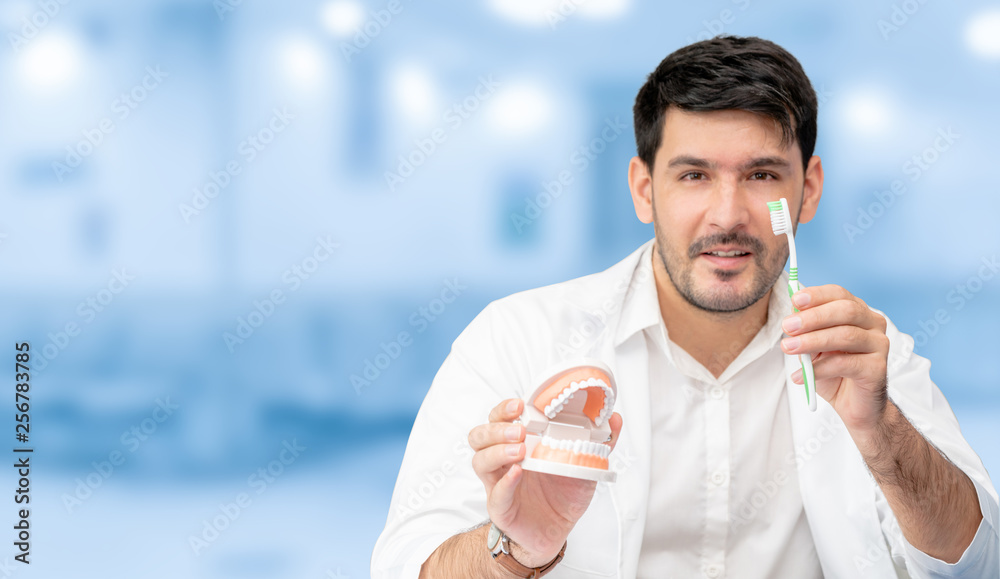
(980, 559)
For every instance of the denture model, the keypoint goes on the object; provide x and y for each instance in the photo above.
(566, 420)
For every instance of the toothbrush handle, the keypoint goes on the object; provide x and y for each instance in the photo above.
(805, 360)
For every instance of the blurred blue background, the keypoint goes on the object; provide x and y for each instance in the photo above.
(215, 213)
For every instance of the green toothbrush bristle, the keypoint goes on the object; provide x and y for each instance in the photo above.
(774, 205)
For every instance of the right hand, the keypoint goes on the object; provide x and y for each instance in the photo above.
(536, 510)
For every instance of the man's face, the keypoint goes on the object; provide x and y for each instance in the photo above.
(714, 174)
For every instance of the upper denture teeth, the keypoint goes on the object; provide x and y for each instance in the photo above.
(733, 253)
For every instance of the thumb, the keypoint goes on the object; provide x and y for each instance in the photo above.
(501, 499)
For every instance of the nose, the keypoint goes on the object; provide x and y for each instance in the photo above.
(729, 207)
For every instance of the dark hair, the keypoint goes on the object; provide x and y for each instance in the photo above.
(724, 73)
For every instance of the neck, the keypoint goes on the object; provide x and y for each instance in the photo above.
(714, 339)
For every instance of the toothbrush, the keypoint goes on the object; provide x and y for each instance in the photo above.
(781, 223)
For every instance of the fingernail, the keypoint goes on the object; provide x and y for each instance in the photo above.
(512, 406)
(512, 432)
(513, 449)
(801, 299)
(792, 323)
(797, 376)
(790, 344)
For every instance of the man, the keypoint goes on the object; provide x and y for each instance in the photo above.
(722, 469)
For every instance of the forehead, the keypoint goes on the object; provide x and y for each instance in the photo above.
(728, 136)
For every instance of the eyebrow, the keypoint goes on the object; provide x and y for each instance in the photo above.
(759, 162)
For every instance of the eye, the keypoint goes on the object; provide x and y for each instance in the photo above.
(762, 176)
(693, 176)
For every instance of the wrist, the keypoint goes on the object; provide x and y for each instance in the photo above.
(529, 559)
(873, 436)
(878, 443)
(517, 561)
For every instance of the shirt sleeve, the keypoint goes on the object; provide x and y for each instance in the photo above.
(921, 401)
(437, 493)
(980, 558)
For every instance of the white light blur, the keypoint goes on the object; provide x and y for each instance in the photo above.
(868, 113)
(982, 34)
(342, 18)
(303, 64)
(519, 110)
(414, 93)
(555, 12)
(51, 61)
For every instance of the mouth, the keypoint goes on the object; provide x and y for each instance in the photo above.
(727, 257)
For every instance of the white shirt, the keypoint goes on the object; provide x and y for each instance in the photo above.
(614, 316)
(723, 484)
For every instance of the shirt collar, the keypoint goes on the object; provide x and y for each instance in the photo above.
(641, 308)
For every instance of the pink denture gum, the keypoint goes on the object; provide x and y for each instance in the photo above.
(566, 419)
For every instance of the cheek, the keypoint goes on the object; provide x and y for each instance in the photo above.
(776, 246)
(677, 225)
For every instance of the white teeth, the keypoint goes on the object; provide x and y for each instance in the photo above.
(559, 402)
(733, 253)
(577, 446)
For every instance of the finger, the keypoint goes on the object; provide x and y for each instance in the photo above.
(507, 410)
(816, 295)
(850, 339)
(501, 498)
(615, 422)
(830, 314)
(495, 433)
(861, 368)
(491, 462)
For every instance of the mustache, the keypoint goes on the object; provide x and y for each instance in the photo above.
(741, 240)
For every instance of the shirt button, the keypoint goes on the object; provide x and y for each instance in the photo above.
(717, 393)
(718, 477)
(713, 570)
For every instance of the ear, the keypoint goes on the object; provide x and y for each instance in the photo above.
(640, 183)
(812, 189)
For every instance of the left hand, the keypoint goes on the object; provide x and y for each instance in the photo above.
(850, 352)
